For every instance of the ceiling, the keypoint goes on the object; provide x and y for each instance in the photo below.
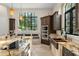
(30, 5)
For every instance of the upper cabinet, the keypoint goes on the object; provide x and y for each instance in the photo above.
(45, 20)
(48, 21)
(56, 21)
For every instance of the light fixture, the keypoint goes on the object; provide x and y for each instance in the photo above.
(21, 17)
(12, 11)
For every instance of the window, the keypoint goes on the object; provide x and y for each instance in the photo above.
(29, 22)
(70, 19)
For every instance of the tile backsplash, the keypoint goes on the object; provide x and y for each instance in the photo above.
(58, 32)
(74, 38)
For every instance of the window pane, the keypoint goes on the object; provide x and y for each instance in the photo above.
(68, 6)
(73, 4)
(29, 21)
(68, 19)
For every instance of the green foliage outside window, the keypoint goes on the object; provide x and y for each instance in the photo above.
(29, 22)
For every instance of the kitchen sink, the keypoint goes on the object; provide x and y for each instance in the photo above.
(56, 40)
(59, 40)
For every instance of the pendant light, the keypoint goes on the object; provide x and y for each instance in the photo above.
(21, 16)
(12, 11)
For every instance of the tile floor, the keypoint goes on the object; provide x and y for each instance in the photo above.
(41, 50)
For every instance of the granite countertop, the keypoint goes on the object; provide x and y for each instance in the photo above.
(72, 47)
(6, 42)
(10, 52)
(68, 44)
(10, 40)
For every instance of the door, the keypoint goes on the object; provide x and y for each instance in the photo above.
(11, 25)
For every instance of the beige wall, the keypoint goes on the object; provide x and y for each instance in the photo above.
(4, 20)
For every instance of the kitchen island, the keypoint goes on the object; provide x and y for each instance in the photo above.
(23, 46)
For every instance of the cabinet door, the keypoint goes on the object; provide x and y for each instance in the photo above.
(11, 24)
(56, 21)
(47, 20)
(42, 21)
(77, 14)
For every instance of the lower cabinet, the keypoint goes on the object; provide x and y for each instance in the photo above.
(53, 50)
(66, 52)
(52, 47)
(45, 41)
(61, 51)
(56, 52)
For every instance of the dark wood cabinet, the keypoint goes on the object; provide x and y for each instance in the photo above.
(77, 16)
(11, 25)
(56, 21)
(50, 24)
(45, 20)
(46, 28)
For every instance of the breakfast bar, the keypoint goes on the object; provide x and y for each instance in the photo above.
(23, 46)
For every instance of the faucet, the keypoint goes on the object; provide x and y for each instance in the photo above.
(65, 36)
